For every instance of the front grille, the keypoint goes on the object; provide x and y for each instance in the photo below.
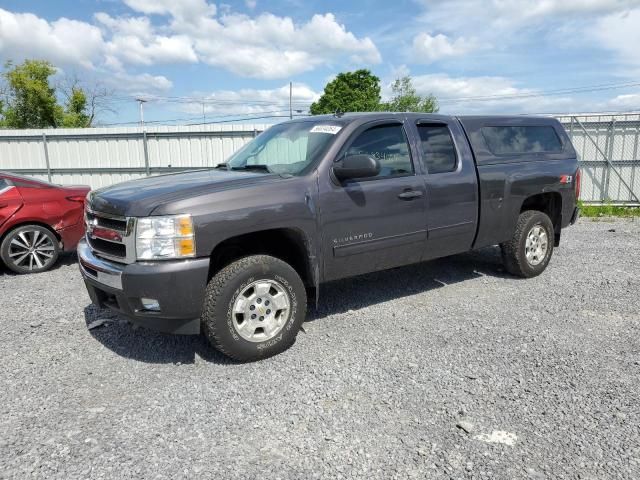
(112, 223)
(111, 237)
(110, 248)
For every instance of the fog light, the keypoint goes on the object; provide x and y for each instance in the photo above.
(150, 304)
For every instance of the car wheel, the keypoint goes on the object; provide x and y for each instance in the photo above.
(254, 308)
(528, 252)
(30, 249)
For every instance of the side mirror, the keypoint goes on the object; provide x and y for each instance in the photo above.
(356, 166)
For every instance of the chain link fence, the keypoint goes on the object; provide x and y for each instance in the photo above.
(609, 151)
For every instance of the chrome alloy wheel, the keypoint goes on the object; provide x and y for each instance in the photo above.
(261, 310)
(31, 249)
(537, 245)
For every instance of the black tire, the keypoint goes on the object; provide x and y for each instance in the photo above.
(218, 322)
(514, 253)
(41, 259)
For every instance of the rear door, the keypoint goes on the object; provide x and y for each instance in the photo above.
(451, 184)
(374, 223)
(10, 200)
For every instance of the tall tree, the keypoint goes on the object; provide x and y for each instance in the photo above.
(98, 98)
(30, 101)
(406, 99)
(357, 91)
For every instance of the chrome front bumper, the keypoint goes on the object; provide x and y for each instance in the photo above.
(101, 271)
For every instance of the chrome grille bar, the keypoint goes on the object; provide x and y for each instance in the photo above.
(111, 237)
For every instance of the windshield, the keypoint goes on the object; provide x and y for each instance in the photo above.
(287, 148)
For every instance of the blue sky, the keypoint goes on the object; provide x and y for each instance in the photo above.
(236, 59)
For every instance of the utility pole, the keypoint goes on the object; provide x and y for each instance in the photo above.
(141, 101)
(290, 97)
(204, 116)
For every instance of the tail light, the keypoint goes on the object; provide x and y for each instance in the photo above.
(578, 183)
(76, 198)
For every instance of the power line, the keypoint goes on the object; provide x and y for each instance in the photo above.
(251, 118)
(540, 93)
(283, 102)
(237, 116)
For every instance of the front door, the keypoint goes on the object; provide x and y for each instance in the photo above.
(379, 222)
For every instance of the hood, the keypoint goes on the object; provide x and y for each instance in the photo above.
(138, 198)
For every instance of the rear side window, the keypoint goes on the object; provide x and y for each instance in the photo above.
(3, 183)
(524, 139)
(388, 144)
(438, 150)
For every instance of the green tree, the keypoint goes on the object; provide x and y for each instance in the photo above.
(75, 114)
(406, 99)
(30, 101)
(357, 91)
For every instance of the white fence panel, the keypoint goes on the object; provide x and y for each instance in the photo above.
(608, 147)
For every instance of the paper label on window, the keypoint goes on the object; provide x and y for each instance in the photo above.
(332, 129)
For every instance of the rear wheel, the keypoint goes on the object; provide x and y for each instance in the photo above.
(528, 252)
(254, 308)
(30, 249)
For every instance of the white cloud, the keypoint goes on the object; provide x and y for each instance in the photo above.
(521, 10)
(135, 41)
(254, 101)
(428, 48)
(251, 4)
(188, 31)
(466, 15)
(620, 33)
(63, 41)
(268, 46)
(487, 94)
(143, 84)
(189, 10)
(263, 46)
(625, 102)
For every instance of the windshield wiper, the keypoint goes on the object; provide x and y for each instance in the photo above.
(222, 166)
(258, 167)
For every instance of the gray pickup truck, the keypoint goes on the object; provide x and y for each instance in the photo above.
(236, 251)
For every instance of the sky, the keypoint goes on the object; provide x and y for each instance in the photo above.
(198, 61)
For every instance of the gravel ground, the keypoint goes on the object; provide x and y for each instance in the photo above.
(449, 369)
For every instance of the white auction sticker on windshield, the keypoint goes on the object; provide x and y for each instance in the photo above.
(332, 129)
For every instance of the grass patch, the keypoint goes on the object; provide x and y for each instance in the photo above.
(595, 211)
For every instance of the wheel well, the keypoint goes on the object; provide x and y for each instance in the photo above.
(549, 203)
(286, 244)
(24, 224)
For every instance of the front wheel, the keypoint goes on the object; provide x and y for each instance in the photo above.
(528, 252)
(254, 308)
(30, 249)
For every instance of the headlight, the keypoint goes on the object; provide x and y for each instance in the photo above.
(160, 238)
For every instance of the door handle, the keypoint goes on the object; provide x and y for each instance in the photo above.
(410, 194)
(2, 205)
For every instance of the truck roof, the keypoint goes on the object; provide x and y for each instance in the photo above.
(351, 116)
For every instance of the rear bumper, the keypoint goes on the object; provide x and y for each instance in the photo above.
(71, 236)
(178, 286)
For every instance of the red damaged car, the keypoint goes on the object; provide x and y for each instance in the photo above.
(38, 220)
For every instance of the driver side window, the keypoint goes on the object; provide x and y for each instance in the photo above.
(388, 145)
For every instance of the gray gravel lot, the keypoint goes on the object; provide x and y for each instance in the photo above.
(449, 369)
